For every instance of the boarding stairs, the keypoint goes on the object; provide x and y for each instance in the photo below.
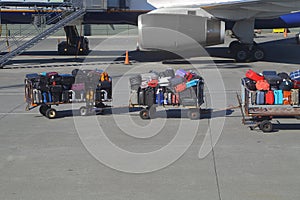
(62, 21)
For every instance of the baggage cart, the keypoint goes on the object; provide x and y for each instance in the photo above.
(177, 93)
(44, 93)
(261, 115)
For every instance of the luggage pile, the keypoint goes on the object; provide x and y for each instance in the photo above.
(272, 88)
(167, 88)
(80, 86)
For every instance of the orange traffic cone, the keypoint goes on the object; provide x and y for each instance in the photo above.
(127, 62)
(285, 33)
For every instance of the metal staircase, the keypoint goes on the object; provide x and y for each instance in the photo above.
(41, 36)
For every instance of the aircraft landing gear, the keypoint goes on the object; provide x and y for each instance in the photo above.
(246, 52)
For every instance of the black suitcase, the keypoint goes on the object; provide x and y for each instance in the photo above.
(67, 80)
(249, 84)
(149, 96)
(273, 80)
(269, 73)
(141, 96)
(56, 91)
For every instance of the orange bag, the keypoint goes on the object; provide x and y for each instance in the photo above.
(262, 85)
(104, 77)
(287, 97)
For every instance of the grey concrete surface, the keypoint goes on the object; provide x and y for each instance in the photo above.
(46, 159)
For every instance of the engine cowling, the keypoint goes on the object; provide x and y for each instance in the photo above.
(173, 32)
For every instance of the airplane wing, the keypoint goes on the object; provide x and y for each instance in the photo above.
(232, 9)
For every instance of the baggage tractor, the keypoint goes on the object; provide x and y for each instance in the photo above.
(286, 85)
(134, 97)
(286, 97)
(262, 85)
(249, 84)
(149, 96)
(254, 76)
(180, 73)
(295, 75)
(260, 97)
(270, 97)
(278, 97)
(295, 96)
(107, 86)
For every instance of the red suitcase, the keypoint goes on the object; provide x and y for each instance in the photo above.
(296, 84)
(181, 87)
(270, 97)
(254, 76)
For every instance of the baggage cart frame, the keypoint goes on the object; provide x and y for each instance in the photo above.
(260, 116)
(148, 112)
(91, 106)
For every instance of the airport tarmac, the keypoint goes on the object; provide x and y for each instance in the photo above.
(117, 155)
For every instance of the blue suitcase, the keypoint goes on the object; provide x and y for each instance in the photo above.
(260, 97)
(278, 95)
(192, 83)
(295, 75)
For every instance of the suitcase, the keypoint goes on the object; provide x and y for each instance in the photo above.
(286, 85)
(169, 73)
(37, 96)
(175, 99)
(296, 84)
(31, 76)
(176, 81)
(260, 98)
(249, 84)
(153, 83)
(180, 73)
(135, 82)
(252, 98)
(295, 75)
(278, 97)
(262, 85)
(56, 92)
(149, 96)
(78, 86)
(270, 97)
(66, 96)
(47, 98)
(189, 76)
(269, 73)
(284, 75)
(141, 96)
(254, 76)
(181, 87)
(67, 79)
(51, 75)
(134, 97)
(273, 80)
(286, 97)
(164, 82)
(295, 96)
(149, 76)
(192, 83)
(159, 97)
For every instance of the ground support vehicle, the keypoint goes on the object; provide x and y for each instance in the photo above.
(85, 87)
(152, 90)
(261, 115)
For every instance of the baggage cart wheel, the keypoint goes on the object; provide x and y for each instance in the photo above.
(51, 113)
(83, 111)
(144, 114)
(43, 109)
(266, 126)
(193, 114)
(152, 111)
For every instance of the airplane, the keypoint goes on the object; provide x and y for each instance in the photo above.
(204, 22)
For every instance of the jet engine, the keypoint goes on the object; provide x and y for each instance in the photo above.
(177, 32)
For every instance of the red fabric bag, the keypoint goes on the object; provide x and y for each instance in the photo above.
(180, 87)
(254, 76)
(262, 85)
